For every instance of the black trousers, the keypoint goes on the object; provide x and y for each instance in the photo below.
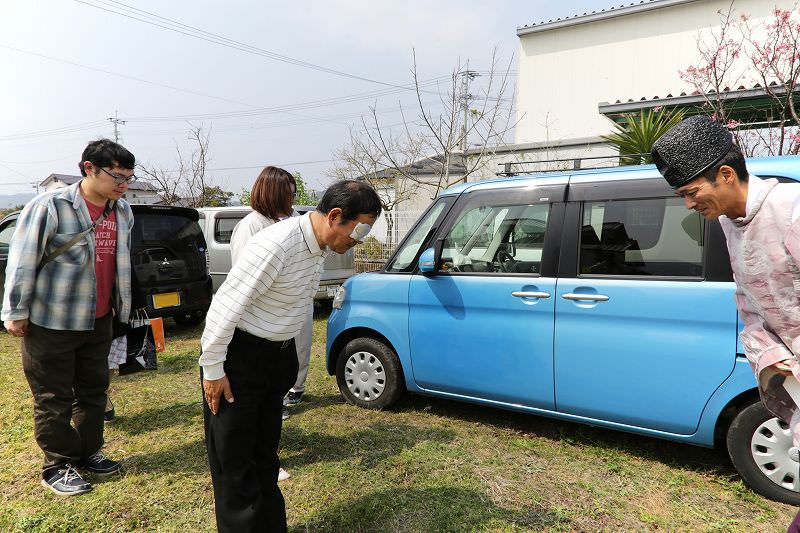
(242, 438)
(67, 372)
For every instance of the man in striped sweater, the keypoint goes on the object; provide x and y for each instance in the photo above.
(248, 355)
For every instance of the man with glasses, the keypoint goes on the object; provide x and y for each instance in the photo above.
(68, 274)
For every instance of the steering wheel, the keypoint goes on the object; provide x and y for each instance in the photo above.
(505, 261)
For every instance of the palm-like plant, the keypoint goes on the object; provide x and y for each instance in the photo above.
(635, 136)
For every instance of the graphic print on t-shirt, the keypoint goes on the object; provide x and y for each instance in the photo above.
(105, 257)
(105, 240)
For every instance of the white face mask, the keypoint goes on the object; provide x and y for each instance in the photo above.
(360, 231)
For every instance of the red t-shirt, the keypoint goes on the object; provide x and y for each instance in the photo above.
(105, 257)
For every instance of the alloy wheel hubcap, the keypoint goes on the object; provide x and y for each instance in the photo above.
(365, 376)
(773, 453)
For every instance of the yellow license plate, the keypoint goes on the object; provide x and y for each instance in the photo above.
(166, 299)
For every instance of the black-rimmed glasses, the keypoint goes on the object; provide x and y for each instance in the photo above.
(121, 179)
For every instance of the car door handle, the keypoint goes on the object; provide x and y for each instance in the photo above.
(592, 297)
(532, 294)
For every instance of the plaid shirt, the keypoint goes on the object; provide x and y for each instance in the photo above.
(63, 294)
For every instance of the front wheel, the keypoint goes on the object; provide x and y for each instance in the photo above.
(369, 374)
(761, 449)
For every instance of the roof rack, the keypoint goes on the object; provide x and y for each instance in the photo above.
(576, 163)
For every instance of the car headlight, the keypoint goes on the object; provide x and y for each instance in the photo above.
(338, 298)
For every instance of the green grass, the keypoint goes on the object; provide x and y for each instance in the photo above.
(426, 465)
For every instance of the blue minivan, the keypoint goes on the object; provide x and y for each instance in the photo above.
(593, 296)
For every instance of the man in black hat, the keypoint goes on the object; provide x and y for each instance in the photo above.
(699, 159)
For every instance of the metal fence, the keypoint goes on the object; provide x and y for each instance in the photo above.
(381, 243)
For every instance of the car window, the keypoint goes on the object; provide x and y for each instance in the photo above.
(159, 239)
(505, 239)
(5, 236)
(202, 221)
(643, 237)
(223, 229)
(411, 246)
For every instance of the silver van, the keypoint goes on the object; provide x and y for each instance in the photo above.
(218, 224)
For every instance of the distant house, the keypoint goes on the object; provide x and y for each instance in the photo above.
(139, 192)
(410, 192)
(579, 73)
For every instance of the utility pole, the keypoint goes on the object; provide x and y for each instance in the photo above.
(465, 98)
(116, 121)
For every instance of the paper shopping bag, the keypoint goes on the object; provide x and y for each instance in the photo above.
(157, 328)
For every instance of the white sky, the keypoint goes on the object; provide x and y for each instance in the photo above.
(50, 108)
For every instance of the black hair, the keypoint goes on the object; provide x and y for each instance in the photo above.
(734, 159)
(353, 197)
(106, 153)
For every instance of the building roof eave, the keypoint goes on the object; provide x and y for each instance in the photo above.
(604, 14)
(748, 106)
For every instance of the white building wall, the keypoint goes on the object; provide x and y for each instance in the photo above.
(54, 184)
(564, 73)
(141, 197)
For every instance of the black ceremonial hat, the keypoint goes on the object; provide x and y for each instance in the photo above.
(690, 148)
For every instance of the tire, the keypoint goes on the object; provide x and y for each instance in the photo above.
(190, 320)
(760, 444)
(369, 374)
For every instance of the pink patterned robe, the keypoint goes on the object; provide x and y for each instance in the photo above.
(764, 248)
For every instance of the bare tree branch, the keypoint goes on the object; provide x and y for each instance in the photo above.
(188, 183)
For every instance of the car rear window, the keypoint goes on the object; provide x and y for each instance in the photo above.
(172, 240)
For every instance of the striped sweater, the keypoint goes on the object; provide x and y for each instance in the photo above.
(267, 292)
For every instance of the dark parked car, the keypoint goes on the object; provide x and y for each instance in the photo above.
(169, 260)
(170, 263)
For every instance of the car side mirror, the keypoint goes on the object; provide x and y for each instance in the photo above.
(431, 259)
(427, 262)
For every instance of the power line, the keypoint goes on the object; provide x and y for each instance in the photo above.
(125, 76)
(294, 164)
(39, 162)
(256, 109)
(197, 33)
(267, 125)
(266, 110)
(16, 171)
(82, 126)
(17, 183)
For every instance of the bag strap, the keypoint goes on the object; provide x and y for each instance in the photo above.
(66, 246)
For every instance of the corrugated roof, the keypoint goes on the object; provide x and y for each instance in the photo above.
(750, 106)
(725, 94)
(601, 14)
